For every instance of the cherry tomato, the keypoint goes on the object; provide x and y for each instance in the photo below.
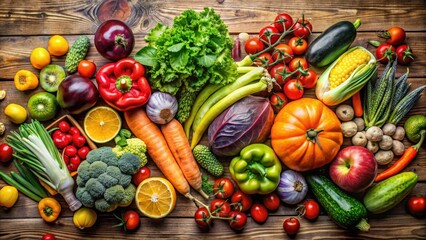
(264, 60)
(303, 28)
(223, 188)
(394, 36)
(220, 207)
(278, 101)
(271, 201)
(253, 45)
(298, 45)
(241, 201)
(48, 236)
(202, 218)
(86, 68)
(310, 209)
(293, 89)
(416, 206)
(70, 151)
(74, 131)
(269, 35)
(66, 160)
(239, 220)
(298, 63)
(404, 55)
(309, 80)
(6, 152)
(64, 126)
(68, 139)
(282, 52)
(131, 219)
(291, 226)
(259, 213)
(74, 163)
(142, 174)
(78, 140)
(57, 133)
(281, 73)
(60, 141)
(385, 52)
(283, 22)
(82, 152)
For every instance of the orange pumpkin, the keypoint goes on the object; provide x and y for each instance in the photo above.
(306, 134)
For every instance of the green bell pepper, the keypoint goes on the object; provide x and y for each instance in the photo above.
(257, 170)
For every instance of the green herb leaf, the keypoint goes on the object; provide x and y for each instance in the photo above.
(207, 60)
(176, 47)
(146, 56)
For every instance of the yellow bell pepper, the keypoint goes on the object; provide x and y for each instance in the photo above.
(8, 196)
(25, 80)
(49, 209)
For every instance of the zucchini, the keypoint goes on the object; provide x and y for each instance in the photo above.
(388, 193)
(332, 43)
(344, 210)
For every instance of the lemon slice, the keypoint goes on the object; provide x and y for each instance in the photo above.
(102, 124)
(155, 197)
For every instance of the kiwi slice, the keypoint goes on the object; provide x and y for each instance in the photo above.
(42, 106)
(51, 76)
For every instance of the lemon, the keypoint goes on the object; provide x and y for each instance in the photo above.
(102, 124)
(15, 113)
(155, 197)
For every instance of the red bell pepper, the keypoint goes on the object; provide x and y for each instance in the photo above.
(123, 85)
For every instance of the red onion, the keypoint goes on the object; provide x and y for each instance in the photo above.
(292, 188)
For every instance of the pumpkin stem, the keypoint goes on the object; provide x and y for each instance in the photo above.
(312, 135)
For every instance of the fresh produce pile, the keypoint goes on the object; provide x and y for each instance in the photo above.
(193, 81)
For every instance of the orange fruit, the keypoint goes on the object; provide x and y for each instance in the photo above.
(102, 124)
(39, 58)
(57, 45)
(155, 197)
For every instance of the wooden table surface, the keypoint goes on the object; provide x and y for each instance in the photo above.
(26, 24)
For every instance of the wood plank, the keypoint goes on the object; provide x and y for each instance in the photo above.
(82, 17)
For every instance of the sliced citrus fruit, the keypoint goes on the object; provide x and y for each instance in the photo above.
(155, 197)
(102, 124)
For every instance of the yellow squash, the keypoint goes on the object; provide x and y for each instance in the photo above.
(84, 218)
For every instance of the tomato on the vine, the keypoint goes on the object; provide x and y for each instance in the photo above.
(404, 55)
(131, 219)
(278, 100)
(282, 52)
(259, 213)
(309, 79)
(271, 201)
(220, 207)
(253, 45)
(298, 45)
(385, 52)
(238, 220)
(293, 89)
(416, 206)
(281, 73)
(310, 209)
(142, 174)
(269, 35)
(86, 68)
(283, 22)
(203, 219)
(298, 63)
(223, 188)
(394, 36)
(303, 28)
(241, 201)
(291, 226)
(264, 60)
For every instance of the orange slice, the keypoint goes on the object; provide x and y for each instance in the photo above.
(155, 197)
(102, 124)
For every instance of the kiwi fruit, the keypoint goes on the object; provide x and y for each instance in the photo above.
(42, 106)
(51, 76)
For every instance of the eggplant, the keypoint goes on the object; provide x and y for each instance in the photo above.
(332, 43)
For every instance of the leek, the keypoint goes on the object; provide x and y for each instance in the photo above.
(34, 147)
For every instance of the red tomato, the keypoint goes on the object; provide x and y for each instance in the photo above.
(220, 207)
(293, 89)
(70, 151)
(142, 174)
(57, 133)
(48, 236)
(86, 68)
(291, 226)
(74, 131)
(66, 160)
(6, 152)
(264, 60)
(385, 52)
(281, 73)
(253, 45)
(64, 126)
(78, 140)
(298, 45)
(283, 22)
(309, 80)
(310, 209)
(278, 101)
(74, 163)
(239, 220)
(259, 213)
(68, 139)
(404, 55)
(60, 141)
(203, 219)
(298, 63)
(223, 188)
(82, 152)
(131, 219)
(394, 36)
(303, 28)
(416, 206)
(271, 201)
(241, 201)
(269, 35)
(282, 52)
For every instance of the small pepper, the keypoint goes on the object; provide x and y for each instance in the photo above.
(123, 85)
(257, 170)
(49, 209)
(25, 80)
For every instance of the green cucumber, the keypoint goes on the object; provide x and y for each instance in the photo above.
(332, 43)
(207, 160)
(344, 210)
(77, 52)
(388, 193)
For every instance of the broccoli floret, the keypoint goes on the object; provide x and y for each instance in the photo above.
(129, 163)
(135, 146)
(103, 154)
(97, 168)
(125, 180)
(80, 181)
(95, 188)
(84, 171)
(85, 198)
(129, 195)
(114, 194)
(103, 206)
(107, 180)
(114, 172)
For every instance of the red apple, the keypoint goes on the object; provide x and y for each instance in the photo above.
(353, 169)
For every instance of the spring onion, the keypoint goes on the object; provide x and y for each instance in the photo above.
(35, 149)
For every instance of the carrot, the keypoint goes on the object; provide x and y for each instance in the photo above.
(357, 105)
(401, 163)
(178, 143)
(157, 148)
